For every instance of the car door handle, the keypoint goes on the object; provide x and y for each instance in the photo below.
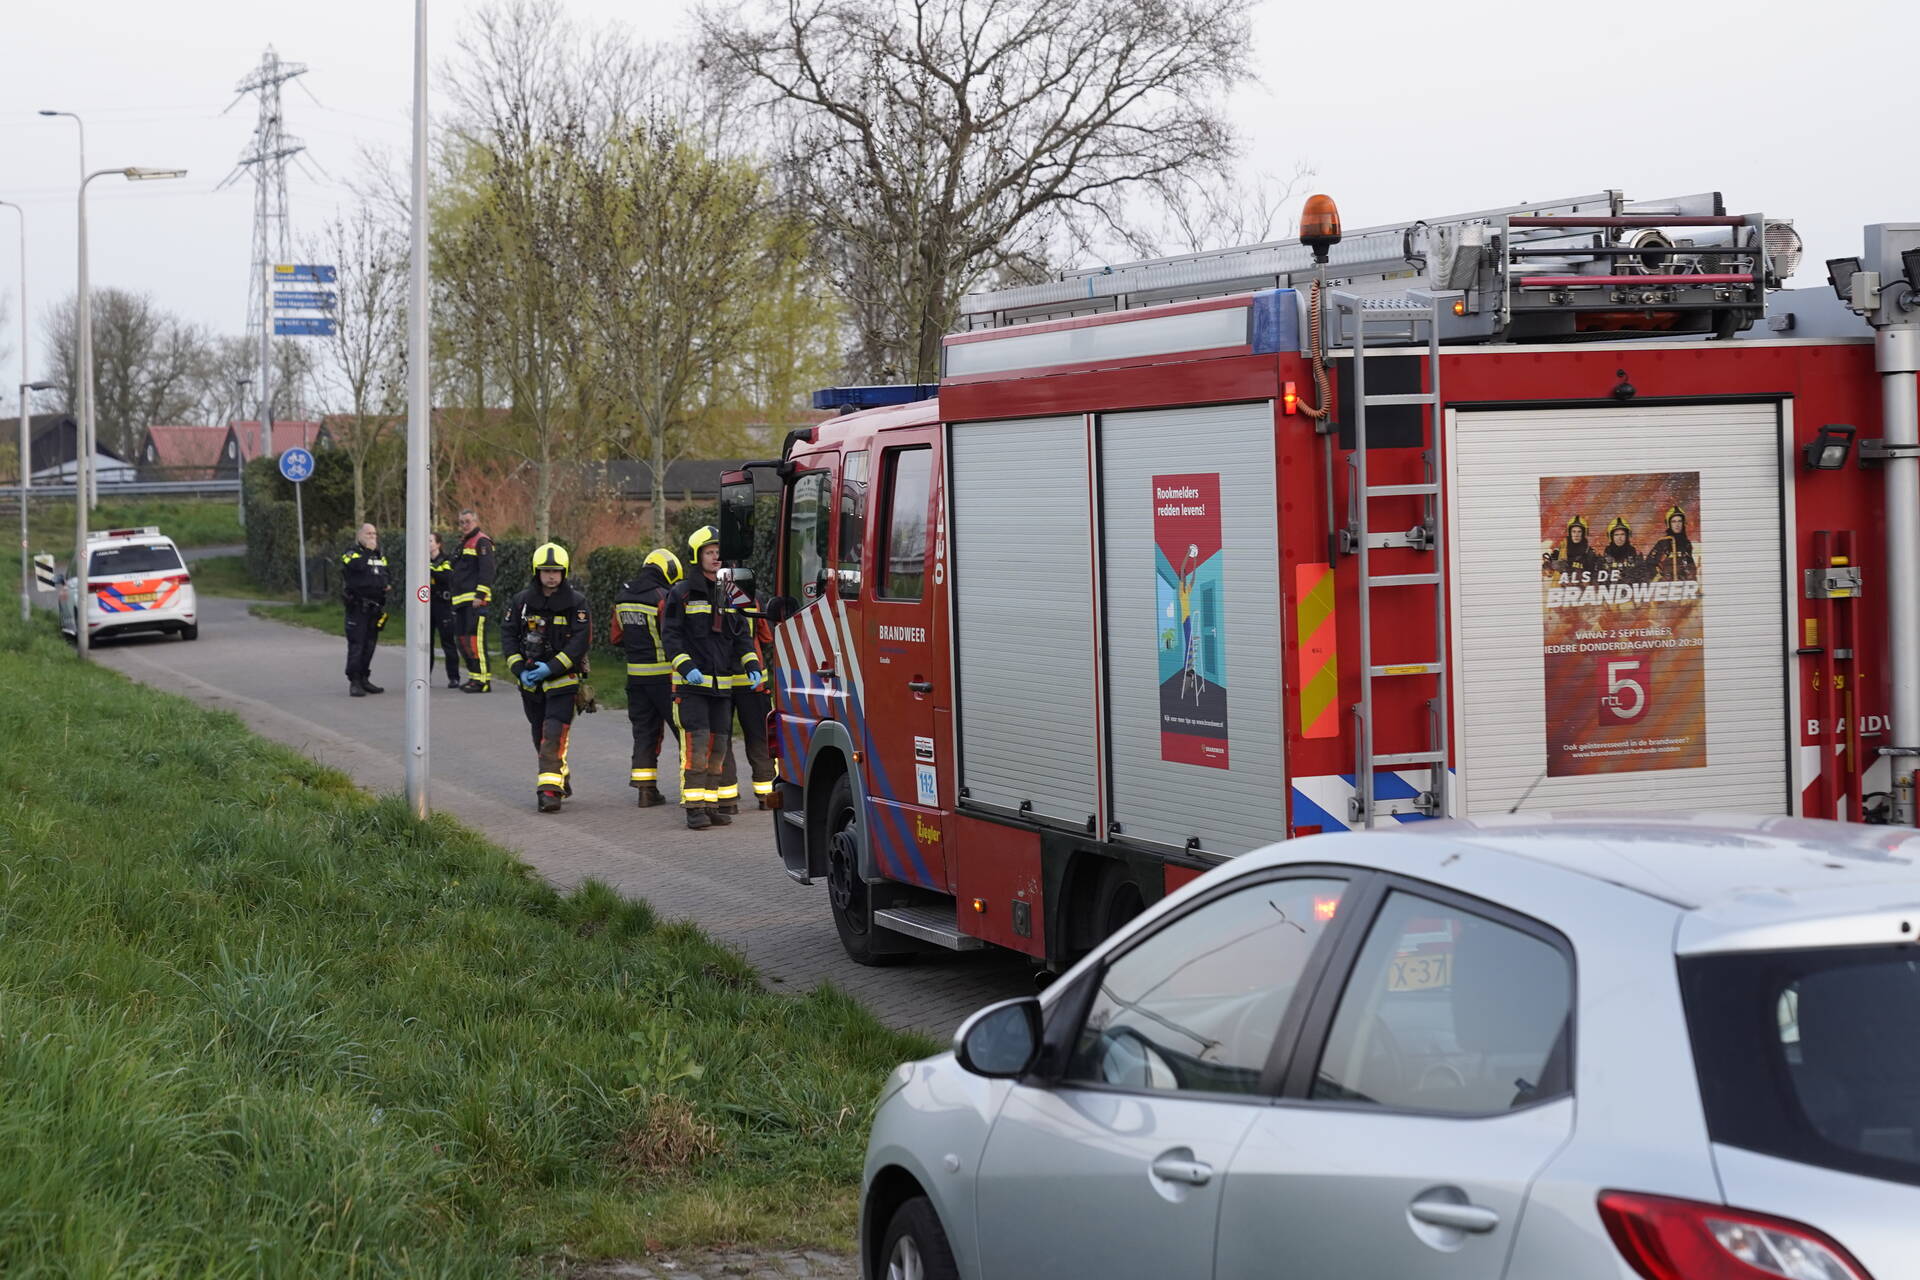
(920, 686)
(1195, 1173)
(1461, 1217)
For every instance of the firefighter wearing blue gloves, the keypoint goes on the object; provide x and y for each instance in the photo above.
(545, 634)
(711, 651)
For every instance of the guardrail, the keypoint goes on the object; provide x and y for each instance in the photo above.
(10, 493)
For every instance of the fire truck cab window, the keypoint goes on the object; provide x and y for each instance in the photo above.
(853, 520)
(808, 504)
(903, 559)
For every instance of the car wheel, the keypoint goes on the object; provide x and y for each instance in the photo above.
(846, 892)
(191, 632)
(915, 1248)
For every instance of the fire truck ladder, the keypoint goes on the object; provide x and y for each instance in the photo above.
(1397, 317)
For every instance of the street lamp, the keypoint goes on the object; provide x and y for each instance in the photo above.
(26, 601)
(83, 455)
(86, 419)
(26, 447)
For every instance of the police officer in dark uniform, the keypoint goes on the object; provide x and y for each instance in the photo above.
(545, 635)
(444, 624)
(709, 644)
(636, 629)
(363, 582)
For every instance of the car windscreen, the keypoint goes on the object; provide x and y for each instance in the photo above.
(1812, 1055)
(113, 562)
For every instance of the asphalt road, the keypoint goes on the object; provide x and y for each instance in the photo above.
(287, 684)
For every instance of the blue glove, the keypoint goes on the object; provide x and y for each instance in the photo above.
(693, 676)
(535, 674)
(756, 679)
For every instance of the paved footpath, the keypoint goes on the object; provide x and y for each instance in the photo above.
(726, 1264)
(287, 683)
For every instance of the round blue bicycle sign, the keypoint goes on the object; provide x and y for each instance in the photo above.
(296, 465)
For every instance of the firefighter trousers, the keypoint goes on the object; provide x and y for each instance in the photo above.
(650, 711)
(472, 620)
(446, 627)
(362, 636)
(706, 741)
(550, 716)
(752, 705)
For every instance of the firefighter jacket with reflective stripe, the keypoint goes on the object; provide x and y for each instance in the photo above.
(636, 625)
(555, 629)
(701, 630)
(759, 631)
(363, 577)
(471, 579)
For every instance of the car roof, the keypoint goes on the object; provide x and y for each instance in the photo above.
(1743, 880)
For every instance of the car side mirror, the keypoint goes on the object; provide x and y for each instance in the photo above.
(1002, 1041)
(780, 608)
(59, 579)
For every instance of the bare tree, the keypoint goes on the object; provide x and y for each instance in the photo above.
(363, 364)
(1208, 210)
(938, 139)
(146, 364)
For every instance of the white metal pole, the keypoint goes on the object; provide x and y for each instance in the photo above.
(83, 443)
(419, 443)
(26, 435)
(1897, 356)
(266, 364)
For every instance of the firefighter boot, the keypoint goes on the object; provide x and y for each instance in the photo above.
(721, 815)
(354, 690)
(549, 801)
(650, 796)
(698, 819)
(368, 686)
(474, 686)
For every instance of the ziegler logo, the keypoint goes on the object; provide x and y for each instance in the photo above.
(924, 833)
(913, 635)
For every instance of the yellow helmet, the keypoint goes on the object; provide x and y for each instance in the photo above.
(701, 537)
(550, 555)
(667, 563)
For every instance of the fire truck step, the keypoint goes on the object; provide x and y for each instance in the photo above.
(1402, 490)
(1405, 580)
(1407, 669)
(1405, 758)
(930, 923)
(1386, 400)
(798, 817)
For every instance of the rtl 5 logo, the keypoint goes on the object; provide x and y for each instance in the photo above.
(1624, 689)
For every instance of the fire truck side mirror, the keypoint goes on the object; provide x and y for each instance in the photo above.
(736, 516)
(780, 608)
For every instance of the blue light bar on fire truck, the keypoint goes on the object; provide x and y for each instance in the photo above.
(847, 399)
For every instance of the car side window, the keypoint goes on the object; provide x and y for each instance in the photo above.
(1196, 1006)
(1447, 1010)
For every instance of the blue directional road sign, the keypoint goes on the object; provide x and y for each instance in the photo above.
(316, 300)
(296, 464)
(306, 271)
(303, 327)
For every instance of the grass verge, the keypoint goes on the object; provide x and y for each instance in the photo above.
(253, 1021)
(190, 523)
(227, 576)
(608, 673)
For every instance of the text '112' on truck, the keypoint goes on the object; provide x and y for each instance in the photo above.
(1568, 506)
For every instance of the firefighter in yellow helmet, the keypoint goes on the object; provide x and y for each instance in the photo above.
(751, 702)
(545, 634)
(636, 628)
(1672, 558)
(709, 646)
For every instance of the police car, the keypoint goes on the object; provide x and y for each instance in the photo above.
(136, 582)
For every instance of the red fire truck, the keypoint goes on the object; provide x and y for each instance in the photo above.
(1564, 506)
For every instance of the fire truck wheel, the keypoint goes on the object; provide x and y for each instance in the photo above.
(915, 1248)
(846, 891)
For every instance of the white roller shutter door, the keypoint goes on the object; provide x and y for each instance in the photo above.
(1498, 460)
(1022, 556)
(1243, 806)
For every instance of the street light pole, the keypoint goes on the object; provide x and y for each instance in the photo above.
(83, 455)
(84, 342)
(419, 443)
(26, 434)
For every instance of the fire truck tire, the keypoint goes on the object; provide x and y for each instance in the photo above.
(1117, 901)
(846, 892)
(915, 1248)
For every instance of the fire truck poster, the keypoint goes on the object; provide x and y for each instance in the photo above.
(1190, 592)
(1622, 593)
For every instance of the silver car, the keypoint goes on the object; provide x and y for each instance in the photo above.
(1566, 1048)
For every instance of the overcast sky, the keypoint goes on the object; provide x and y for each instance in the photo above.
(1402, 110)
